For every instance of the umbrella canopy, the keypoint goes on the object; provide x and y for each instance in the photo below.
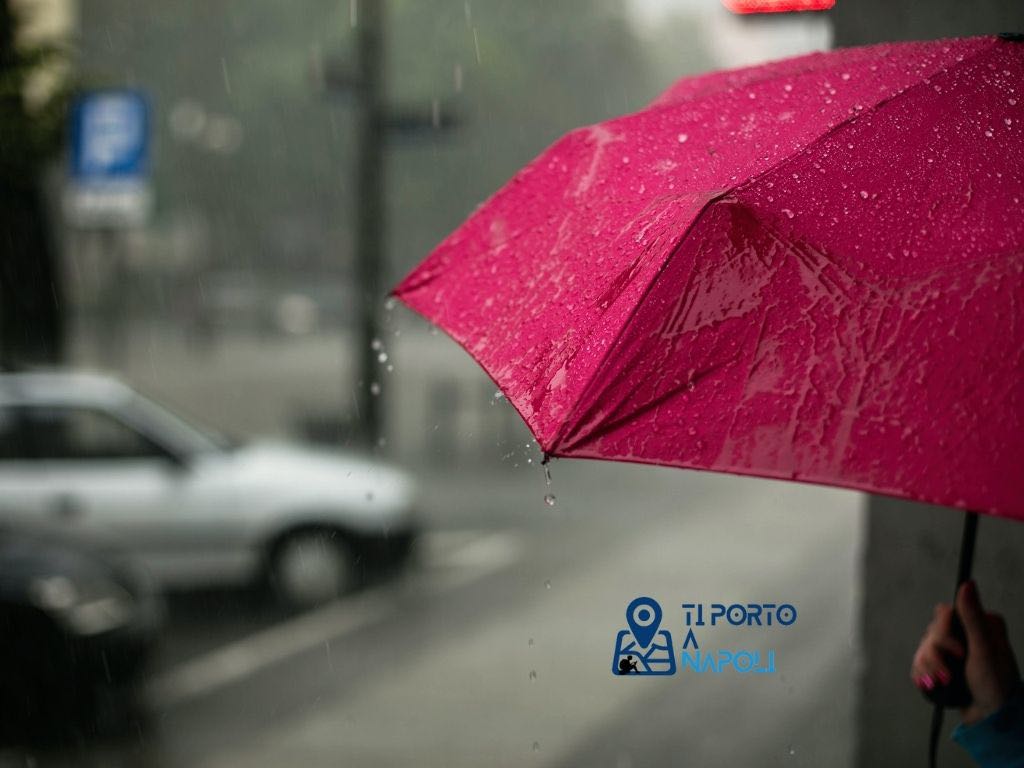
(810, 270)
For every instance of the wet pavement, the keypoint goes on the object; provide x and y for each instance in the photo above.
(495, 648)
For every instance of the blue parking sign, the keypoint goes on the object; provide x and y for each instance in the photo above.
(110, 135)
(109, 159)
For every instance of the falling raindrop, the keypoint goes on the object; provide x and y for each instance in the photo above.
(547, 584)
(382, 357)
(498, 395)
(375, 389)
(391, 303)
(533, 674)
(390, 368)
(550, 500)
(376, 345)
(792, 750)
(530, 642)
(547, 474)
(536, 746)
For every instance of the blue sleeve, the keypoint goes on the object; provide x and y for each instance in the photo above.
(998, 740)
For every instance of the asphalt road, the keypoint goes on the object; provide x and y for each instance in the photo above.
(496, 647)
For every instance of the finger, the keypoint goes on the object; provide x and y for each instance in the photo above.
(972, 615)
(942, 621)
(951, 646)
(996, 627)
(929, 669)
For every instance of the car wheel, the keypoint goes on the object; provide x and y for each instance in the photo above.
(311, 567)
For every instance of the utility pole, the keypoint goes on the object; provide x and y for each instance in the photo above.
(369, 212)
(376, 121)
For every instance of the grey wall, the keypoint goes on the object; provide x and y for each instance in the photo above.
(911, 552)
(859, 22)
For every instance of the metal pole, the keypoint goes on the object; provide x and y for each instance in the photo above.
(369, 190)
(956, 694)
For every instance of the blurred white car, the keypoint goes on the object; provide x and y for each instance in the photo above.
(87, 454)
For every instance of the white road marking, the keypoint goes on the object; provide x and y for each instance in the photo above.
(452, 559)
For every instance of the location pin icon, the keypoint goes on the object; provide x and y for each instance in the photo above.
(644, 617)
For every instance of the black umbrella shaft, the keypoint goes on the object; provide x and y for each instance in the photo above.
(963, 571)
(961, 696)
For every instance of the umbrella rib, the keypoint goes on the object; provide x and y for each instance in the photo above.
(557, 444)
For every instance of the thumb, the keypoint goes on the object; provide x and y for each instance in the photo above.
(972, 615)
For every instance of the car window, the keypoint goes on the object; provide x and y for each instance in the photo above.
(84, 433)
(13, 446)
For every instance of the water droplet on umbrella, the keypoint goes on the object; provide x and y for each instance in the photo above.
(1007, 120)
(789, 214)
(864, 194)
(1013, 102)
(989, 134)
(550, 500)
(682, 138)
(787, 87)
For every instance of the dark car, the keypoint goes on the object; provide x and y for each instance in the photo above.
(76, 630)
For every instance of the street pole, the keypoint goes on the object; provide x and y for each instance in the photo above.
(369, 213)
(376, 121)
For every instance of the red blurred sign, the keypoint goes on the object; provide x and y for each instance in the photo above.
(777, 6)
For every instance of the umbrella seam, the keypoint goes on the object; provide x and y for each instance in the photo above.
(569, 423)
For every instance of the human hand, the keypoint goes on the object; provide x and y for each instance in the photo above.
(991, 669)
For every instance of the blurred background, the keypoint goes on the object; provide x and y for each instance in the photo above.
(252, 512)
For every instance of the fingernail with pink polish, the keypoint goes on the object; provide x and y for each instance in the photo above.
(928, 682)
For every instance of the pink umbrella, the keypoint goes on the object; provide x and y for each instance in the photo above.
(810, 270)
